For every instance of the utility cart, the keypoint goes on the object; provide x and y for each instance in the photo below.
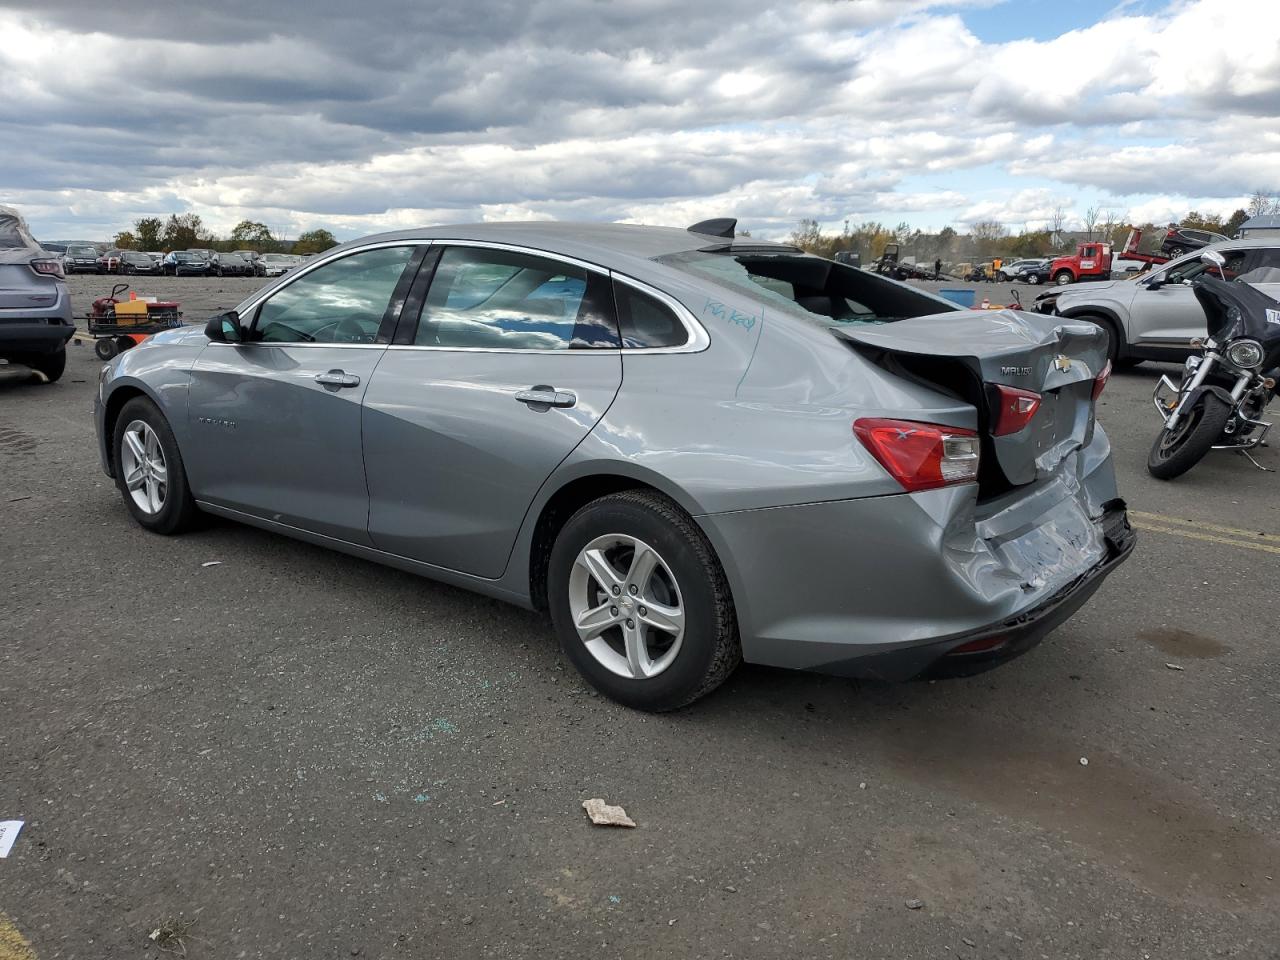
(117, 324)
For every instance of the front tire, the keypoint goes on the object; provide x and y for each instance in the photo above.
(149, 470)
(641, 604)
(1063, 277)
(1176, 452)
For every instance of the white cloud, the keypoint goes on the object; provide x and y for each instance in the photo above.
(652, 110)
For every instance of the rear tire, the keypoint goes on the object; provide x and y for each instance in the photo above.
(686, 578)
(177, 509)
(1174, 454)
(51, 364)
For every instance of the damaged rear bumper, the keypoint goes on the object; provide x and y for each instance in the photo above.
(976, 651)
(885, 587)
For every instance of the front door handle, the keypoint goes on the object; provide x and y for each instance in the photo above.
(338, 378)
(544, 396)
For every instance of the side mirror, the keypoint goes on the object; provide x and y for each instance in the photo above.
(1215, 258)
(225, 328)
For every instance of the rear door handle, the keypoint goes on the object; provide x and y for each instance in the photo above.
(547, 397)
(338, 378)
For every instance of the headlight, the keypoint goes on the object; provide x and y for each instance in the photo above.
(1245, 353)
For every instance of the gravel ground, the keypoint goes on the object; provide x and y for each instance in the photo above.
(312, 756)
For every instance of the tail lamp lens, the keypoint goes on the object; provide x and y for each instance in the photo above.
(921, 456)
(1100, 382)
(47, 268)
(1014, 410)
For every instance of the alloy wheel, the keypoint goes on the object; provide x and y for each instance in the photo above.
(146, 474)
(626, 606)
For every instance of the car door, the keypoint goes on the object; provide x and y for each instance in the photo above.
(501, 365)
(1165, 311)
(276, 419)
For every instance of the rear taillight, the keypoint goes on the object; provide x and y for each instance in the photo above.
(1100, 382)
(47, 268)
(921, 456)
(1014, 409)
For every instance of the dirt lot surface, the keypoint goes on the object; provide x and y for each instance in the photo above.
(308, 756)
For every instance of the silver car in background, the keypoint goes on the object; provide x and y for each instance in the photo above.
(690, 448)
(35, 307)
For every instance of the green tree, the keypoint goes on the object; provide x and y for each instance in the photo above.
(314, 241)
(1199, 221)
(253, 235)
(183, 231)
(148, 230)
(1234, 222)
(125, 240)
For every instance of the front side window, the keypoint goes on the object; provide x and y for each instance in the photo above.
(502, 300)
(341, 302)
(1192, 267)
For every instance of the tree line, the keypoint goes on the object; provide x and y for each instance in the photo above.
(184, 231)
(991, 238)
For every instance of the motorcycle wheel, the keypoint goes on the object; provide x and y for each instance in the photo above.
(1177, 451)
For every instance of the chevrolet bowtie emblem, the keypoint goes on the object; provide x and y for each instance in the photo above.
(1062, 363)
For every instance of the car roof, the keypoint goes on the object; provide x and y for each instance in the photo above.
(602, 243)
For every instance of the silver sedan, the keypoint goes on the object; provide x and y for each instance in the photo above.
(689, 448)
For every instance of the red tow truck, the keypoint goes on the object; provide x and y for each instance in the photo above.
(1092, 261)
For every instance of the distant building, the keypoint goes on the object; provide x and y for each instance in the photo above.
(1266, 225)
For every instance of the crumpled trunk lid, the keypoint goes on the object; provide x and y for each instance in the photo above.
(967, 354)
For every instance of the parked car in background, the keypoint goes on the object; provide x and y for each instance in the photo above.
(254, 258)
(452, 402)
(185, 263)
(1155, 315)
(1009, 269)
(81, 258)
(58, 248)
(135, 261)
(1179, 240)
(1035, 272)
(233, 265)
(276, 264)
(35, 307)
(109, 262)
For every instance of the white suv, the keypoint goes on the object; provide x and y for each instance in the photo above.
(1155, 315)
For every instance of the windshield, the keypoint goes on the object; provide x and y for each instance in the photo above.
(820, 291)
(81, 252)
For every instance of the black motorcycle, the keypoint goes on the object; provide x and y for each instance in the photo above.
(1226, 388)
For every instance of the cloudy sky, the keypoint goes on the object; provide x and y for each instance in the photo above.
(360, 116)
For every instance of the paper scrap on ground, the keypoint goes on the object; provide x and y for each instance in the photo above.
(212, 563)
(9, 833)
(606, 815)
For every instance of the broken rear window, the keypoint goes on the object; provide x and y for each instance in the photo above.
(820, 291)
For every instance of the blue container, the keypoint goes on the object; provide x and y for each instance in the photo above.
(963, 298)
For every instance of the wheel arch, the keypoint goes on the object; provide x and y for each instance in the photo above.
(111, 407)
(1111, 317)
(573, 490)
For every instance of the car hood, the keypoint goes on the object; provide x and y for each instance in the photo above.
(185, 334)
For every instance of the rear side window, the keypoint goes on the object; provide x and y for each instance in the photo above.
(1262, 266)
(502, 300)
(645, 321)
